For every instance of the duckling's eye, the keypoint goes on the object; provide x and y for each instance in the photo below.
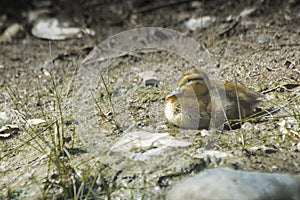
(192, 79)
(187, 81)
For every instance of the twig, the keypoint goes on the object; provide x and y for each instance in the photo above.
(297, 44)
(231, 26)
(159, 5)
(285, 86)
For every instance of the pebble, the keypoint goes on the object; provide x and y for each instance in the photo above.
(149, 78)
(4, 119)
(247, 126)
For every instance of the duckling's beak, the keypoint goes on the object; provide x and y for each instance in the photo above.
(176, 93)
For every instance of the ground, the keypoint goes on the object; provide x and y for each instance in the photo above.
(53, 160)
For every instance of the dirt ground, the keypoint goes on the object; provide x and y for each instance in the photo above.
(51, 160)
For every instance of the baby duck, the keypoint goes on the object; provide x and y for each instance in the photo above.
(197, 100)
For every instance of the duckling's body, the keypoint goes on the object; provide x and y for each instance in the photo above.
(197, 100)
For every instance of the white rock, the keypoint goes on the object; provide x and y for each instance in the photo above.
(205, 132)
(247, 11)
(53, 29)
(32, 122)
(149, 144)
(225, 183)
(211, 153)
(247, 126)
(201, 22)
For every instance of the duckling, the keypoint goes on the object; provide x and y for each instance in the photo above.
(196, 102)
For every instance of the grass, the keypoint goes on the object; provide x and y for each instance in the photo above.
(104, 105)
(55, 141)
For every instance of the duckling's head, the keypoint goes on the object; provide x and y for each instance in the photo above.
(189, 86)
(188, 105)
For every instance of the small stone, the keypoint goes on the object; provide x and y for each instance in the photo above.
(4, 119)
(204, 133)
(202, 22)
(288, 63)
(32, 122)
(247, 126)
(151, 81)
(149, 78)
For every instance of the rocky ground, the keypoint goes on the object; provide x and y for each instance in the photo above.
(96, 130)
